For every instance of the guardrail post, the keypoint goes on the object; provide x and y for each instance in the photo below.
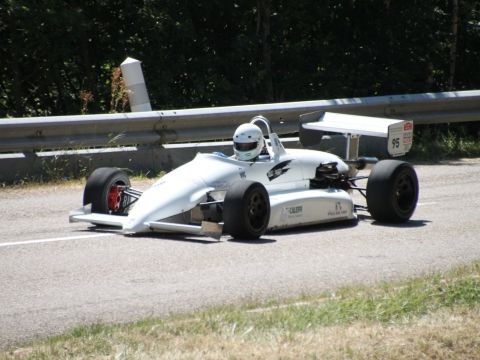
(137, 90)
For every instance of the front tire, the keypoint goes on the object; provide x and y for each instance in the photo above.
(392, 191)
(105, 191)
(246, 210)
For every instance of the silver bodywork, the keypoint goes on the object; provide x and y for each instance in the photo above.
(174, 202)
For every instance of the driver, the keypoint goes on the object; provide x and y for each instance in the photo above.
(248, 142)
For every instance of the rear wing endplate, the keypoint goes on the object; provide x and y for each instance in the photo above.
(399, 133)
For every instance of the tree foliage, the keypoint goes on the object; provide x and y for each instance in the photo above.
(57, 53)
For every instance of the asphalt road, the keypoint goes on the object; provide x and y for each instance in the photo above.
(55, 275)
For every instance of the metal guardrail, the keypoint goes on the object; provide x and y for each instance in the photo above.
(170, 126)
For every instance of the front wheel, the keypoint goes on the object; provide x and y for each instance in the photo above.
(392, 191)
(246, 210)
(105, 191)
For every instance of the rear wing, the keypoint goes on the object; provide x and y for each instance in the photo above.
(399, 133)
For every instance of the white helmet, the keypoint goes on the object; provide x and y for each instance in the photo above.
(247, 142)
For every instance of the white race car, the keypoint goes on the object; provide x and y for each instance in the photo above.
(280, 188)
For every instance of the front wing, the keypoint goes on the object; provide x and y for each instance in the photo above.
(205, 229)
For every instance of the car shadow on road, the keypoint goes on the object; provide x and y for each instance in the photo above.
(405, 225)
(178, 237)
(205, 240)
(316, 228)
(152, 235)
(260, 241)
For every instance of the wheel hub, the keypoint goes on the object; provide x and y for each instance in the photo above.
(405, 193)
(115, 198)
(256, 210)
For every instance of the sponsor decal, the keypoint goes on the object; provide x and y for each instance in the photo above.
(278, 170)
(408, 126)
(291, 212)
(242, 174)
(407, 139)
(294, 210)
(157, 184)
(338, 211)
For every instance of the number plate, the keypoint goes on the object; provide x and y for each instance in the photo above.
(400, 138)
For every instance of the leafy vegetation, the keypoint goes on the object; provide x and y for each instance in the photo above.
(435, 316)
(58, 57)
(440, 142)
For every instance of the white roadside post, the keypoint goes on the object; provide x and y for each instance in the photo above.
(135, 82)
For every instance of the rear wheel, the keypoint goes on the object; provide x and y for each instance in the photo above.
(105, 191)
(246, 210)
(392, 191)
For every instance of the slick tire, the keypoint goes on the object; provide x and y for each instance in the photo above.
(103, 191)
(246, 210)
(392, 191)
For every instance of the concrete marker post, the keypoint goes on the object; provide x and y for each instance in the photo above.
(135, 82)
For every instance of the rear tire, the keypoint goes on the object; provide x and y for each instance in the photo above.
(246, 210)
(392, 191)
(104, 190)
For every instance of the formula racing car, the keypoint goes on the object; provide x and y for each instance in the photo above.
(263, 186)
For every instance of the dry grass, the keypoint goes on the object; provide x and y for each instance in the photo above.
(445, 334)
(432, 317)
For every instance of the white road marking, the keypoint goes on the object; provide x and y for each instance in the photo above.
(427, 203)
(68, 238)
(279, 307)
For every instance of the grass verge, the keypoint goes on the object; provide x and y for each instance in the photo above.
(432, 317)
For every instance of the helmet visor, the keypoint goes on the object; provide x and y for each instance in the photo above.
(245, 146)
